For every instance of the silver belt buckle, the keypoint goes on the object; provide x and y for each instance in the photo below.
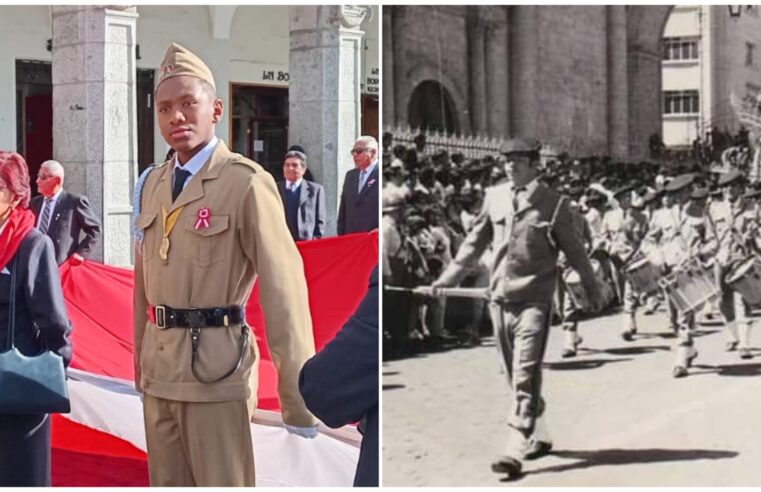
(160, 312)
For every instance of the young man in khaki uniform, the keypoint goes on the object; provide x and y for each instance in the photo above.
(212, 223)
(527, 224)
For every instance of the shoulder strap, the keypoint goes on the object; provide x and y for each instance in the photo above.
(12, 313)
(553, 219)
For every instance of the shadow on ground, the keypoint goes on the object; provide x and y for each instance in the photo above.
(571, 365)
(746, 369)
(606, 457)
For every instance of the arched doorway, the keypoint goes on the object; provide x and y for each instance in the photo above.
(431, 107)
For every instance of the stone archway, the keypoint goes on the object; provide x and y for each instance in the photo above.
(431, 107)
(645, 25)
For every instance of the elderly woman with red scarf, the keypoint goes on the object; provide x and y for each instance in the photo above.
(40, 320)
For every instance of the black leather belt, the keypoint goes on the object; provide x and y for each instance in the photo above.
(167, 317)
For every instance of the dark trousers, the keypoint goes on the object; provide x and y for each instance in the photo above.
(24, 450)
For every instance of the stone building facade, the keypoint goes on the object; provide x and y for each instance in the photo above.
(710, 54)
(77, 86)
(584, 79)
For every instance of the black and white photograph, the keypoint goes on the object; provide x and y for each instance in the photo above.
(571, 248)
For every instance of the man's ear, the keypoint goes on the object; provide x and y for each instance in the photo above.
(218, 110)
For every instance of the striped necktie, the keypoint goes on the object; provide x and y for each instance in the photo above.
(45, 219)
(362, 176)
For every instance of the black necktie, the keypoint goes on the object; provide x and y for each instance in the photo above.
(516, 202)
(180, 175)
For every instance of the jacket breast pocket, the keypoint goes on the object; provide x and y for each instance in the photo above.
(210, 243)
(147, 223)
(538, 236)
(500, 225)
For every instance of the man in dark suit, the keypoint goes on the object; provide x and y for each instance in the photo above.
(358, 211)
(340, 384)
(66, 217)
(303, 200)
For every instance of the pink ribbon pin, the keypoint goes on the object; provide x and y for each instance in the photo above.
(203, 220)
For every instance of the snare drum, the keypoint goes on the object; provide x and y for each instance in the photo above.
(579, 295)
(690, 286)
(745, 278)
(643, 276)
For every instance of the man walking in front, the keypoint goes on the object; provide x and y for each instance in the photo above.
(527, 224)
(212, 223)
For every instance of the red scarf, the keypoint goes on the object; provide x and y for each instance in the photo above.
(18, 225)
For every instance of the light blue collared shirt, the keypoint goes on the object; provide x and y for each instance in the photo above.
(194, 165)
(364, 174)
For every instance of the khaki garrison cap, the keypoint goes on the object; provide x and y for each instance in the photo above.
(181, 61)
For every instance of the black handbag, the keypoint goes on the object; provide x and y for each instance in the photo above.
(35, 384)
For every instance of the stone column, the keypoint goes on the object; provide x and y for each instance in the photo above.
(387, 72)
(324, 92)
(497, 72)
(524, 70)
(476, 26)
(618, 88)
(94, 115)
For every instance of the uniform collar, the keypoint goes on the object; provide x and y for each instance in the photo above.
(194, 165)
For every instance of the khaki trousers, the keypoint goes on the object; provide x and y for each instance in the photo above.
(520, 331)
(198, 444)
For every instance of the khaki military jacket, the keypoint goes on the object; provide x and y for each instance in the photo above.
(526, 243)
(623, 231)
(216, 266)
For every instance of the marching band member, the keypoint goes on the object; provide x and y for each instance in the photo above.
(726, 220)
(623, 230)
(571, 338)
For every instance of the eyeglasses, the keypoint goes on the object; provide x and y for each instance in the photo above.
(359, 151)
(43, 177)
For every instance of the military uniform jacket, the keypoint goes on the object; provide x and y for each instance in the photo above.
(726, 221)
(526, 244)
(216, 266)
(623, 231)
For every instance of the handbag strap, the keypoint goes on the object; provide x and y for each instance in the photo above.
(12, 313)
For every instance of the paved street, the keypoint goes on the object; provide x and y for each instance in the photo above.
(616, 415)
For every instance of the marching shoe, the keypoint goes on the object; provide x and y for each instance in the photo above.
(572, 345)
(679, 371)
(536, 449)
(745, 353)
(731, 346)
(508, 465)
(628, 335)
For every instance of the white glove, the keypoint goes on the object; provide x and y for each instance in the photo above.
(307, 432)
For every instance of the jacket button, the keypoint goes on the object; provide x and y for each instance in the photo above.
(161, 347)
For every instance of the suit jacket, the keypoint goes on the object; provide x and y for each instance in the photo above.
(216, 266)
(526, 244)
(358, 212)
(340, 384)
(74, 227)
(41, 316)
(311, 215)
